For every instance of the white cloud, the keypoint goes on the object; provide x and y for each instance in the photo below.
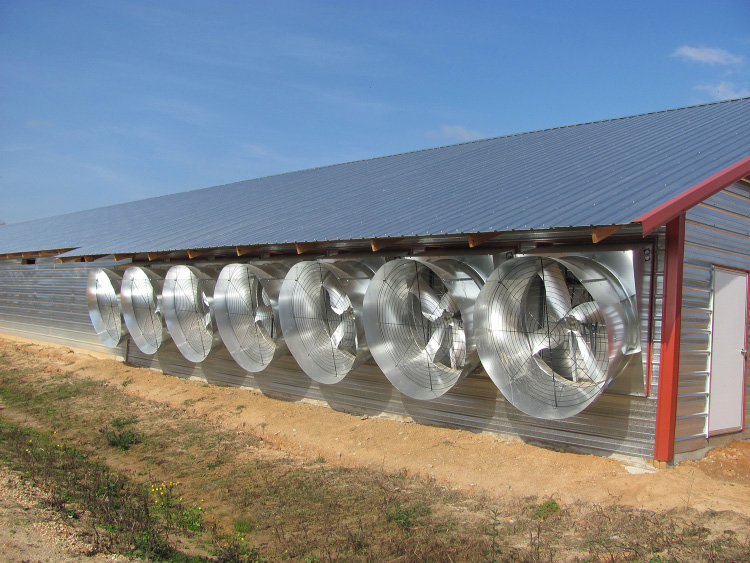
(724, 90)
(709, 55)
(37, 123)
(455, 133)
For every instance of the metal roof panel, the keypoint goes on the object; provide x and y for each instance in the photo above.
(598, 173)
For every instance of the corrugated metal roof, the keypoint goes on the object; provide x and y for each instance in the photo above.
(600, 173)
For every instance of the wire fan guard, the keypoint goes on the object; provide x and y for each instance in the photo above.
(103, 302)
(552, 333)
(320, 308)
(141, 307)
(187, 297)
(246, 308)
(418, 321)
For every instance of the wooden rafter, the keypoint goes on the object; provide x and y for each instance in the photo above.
(157, 255)
(195, 252)
(475, 239)
(119, 257)
(303, 247)
(54, 252)
(600, 233)
(242, 250)
(64, 259)
(381, 243)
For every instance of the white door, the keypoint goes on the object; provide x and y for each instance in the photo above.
(726, 402)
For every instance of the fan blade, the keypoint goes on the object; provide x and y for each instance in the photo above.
(547, 337)
(338, 334)
(586, 312)
(429, 303)
(448, 304)
(457, 349)
(207, 316)
(262, 314)
(558, 297)
(436, 340)
(538, 341)
(337, 298)
(586, 367)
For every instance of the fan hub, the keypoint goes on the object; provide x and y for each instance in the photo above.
(572, 324)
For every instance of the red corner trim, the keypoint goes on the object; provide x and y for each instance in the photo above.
(668, 210)
(669, 363)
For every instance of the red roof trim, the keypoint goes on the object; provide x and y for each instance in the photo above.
(668, 210)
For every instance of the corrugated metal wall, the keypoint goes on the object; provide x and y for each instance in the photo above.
(717, 232)
(47, 302)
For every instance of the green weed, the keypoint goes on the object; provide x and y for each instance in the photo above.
(545, 509)
(407, 517)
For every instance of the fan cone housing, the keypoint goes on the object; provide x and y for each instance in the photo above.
(320, 309)
(246, 308)
(187, 297)
(552, 333)
(103, 302)
(418, 322)
(141, 307)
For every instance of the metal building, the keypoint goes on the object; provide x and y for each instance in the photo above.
(583, 286)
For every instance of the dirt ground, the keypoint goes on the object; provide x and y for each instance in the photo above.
(31, 533)
(474, 463)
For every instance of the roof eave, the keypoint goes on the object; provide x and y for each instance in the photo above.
(662, 214)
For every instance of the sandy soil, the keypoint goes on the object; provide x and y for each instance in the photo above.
(31, 533)
(474, 463)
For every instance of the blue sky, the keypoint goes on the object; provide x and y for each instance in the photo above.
(103, 102)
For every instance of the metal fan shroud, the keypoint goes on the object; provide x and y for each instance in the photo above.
(142, 309)
(187, 298)
(552, 333)
(103, 302)
(246, 309)
(419, 323)
(320, 309)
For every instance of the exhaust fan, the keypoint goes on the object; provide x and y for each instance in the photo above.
(141, 307)
(187, 297)
(103, 301)
(418, 321)
(320, 308)
(552, 333)
(246, 309)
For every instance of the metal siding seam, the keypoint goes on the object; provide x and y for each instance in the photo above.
(669, 367)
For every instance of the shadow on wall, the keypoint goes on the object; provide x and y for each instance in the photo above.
(623, 422)
(364, 391)
(283, 379)
(620, 421)
(471, 404)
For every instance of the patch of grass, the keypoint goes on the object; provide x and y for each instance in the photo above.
(244, 525)
(74, 484)
(119, 436)
(407, 517)
(123, 421)
(545, 509)
(239, 552)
